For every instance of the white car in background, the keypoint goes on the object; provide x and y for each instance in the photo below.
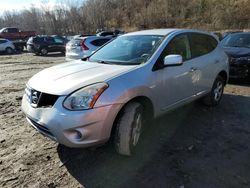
(81, 47)
(6, 46)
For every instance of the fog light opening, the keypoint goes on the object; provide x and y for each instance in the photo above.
(78, 135)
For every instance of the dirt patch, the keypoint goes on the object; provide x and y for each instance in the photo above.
(193, 146)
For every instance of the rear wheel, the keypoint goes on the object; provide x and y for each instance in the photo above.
(44, 51)
(9, 50)
(128, 128)
(214, 97)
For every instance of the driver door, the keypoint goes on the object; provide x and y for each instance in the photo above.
(175, 84)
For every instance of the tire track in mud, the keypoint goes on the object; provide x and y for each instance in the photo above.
(10, 90)
(23, 69)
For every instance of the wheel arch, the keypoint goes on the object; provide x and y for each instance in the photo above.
(148, 109)
(224, 75)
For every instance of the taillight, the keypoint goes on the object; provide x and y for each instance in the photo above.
(83, 46)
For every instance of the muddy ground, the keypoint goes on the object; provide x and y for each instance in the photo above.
(194, 146)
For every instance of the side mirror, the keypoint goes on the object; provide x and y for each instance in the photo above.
(173, 60)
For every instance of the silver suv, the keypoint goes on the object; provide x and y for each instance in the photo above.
(136, 77)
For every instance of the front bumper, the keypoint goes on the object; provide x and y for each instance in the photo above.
(72, 128)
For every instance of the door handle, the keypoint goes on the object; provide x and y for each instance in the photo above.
(193, 69)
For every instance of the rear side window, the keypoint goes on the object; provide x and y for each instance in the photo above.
(37, 39)
(50, 39)
(3, 41)
(201, 44)
(99, 42)
(57, 40)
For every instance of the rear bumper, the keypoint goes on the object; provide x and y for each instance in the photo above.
(75, 56)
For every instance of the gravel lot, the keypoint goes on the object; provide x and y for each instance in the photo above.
(193, 146)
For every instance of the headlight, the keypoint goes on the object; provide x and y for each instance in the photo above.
(84, 98)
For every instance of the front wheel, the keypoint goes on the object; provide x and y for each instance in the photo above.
(214, 97)
(9, 50)
(128, 128)
(44, 51)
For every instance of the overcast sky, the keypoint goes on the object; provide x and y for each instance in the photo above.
(21, 4)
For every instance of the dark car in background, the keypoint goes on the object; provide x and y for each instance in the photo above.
(237, 47)
(42, 45)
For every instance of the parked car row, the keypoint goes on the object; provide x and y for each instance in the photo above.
(235, 44)
(80, 46)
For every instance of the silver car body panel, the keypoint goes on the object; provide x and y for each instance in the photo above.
(167, 89)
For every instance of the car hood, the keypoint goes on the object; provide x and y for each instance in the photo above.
(65, 78)
(237, 52)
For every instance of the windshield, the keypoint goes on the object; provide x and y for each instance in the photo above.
(128, 50)
(237, 40)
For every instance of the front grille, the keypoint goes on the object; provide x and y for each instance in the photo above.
(38, 99)
(44, 130)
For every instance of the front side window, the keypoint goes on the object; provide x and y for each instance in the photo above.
(128, 50)
(179, 45)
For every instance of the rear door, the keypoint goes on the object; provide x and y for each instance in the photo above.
(60, 45)
(204, 60)
(51, 44)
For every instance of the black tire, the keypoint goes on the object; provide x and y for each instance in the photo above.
(9, 50)
(44, 51)
(214, 97)
(20, 48)
(128, 128)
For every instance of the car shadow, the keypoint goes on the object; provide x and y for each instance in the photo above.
(184, 147)
(14, 53)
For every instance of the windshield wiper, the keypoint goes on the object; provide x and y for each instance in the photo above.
(105, 62)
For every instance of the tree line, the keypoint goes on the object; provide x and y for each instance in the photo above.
(129, 15)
